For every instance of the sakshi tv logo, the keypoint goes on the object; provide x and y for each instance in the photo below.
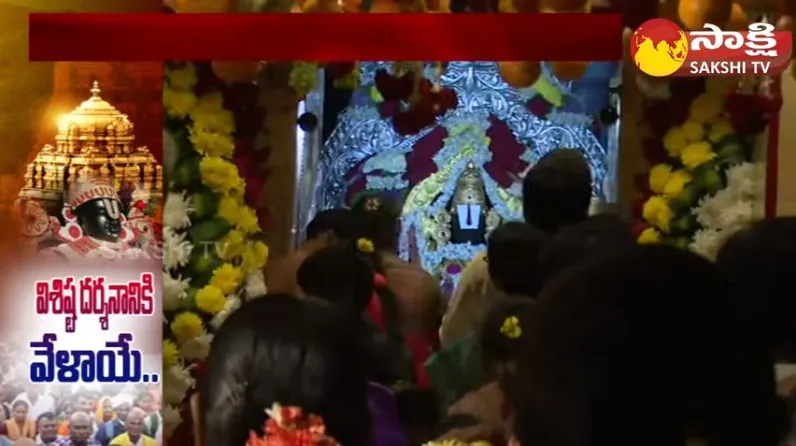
(660, 48)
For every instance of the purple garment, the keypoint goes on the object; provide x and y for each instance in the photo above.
(387, 429)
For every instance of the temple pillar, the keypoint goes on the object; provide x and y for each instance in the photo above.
(786, 142)
(631, 157)
(281, 107)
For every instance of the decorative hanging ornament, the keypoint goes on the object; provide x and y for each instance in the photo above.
(238, 71)
(694, 14)
(520, 74)
(307, 122)
(202, 6)
(569, 71)
(564, 6)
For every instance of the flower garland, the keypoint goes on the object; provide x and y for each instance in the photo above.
(729, 210)
(212, 257)
(696, 161)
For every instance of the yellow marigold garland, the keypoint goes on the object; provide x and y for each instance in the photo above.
(699, 150)
(223, 228)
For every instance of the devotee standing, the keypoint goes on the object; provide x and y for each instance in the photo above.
(135, 431)
(326, 228)
(153, 422)
(80, 430)
(115, 427)
(20, 426)
(48, 429)
(38, 402)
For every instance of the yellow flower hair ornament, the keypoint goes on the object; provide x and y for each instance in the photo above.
(365, 246)
(511, 328)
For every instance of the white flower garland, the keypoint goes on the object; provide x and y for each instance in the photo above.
(729, 210)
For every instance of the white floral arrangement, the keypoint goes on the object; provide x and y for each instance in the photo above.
(729, 210)
(212, 258)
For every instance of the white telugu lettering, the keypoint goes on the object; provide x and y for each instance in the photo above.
(761, 40)
(702, 38)
(717, 68)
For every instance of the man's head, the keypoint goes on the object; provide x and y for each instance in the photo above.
(761, 261)
(122, 409)
(46, 426)
(135, 422)
(331, 222)
(144, 402)
(557, 190)
(83, 403)
(512, 252)
(80, 428)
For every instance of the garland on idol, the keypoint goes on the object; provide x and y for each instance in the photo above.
(213, 258)
(704, 183)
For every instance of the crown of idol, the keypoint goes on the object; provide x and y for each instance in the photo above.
(84, 191)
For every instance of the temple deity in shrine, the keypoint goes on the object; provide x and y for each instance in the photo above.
(88, 195)
(460, 177)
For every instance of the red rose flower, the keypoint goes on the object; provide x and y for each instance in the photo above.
(394, 88)
(539, 106)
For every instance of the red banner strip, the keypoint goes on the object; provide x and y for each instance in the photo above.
(324, 37)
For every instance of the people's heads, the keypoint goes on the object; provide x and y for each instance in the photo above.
(501, 335)
(643, 342)
(46, 426)
(80, 428)
(337, 223)
(557, 190)
(598, 236)
(144, 401)
(377, 220)
(512, 251)
(19, 411)
(295, 352)
(135, 422)
(83, 402)
(761, 261)
(107, 406)
(121, 406)
(68, 407)
(340, 274)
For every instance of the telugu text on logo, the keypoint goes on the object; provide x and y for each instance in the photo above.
(661, 48)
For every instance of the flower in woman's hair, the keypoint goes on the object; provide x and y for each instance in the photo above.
(511, 328)
(365, 246)
(372, 204)
(650, 236)
(379, 281)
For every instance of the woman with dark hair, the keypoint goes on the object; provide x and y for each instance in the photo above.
(328, 227)
(416, 294)
(281, 350)
(597, 237)
(620, 354)
(342, 275)
(483, 413)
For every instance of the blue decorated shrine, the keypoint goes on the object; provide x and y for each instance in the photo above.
(458, 179)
